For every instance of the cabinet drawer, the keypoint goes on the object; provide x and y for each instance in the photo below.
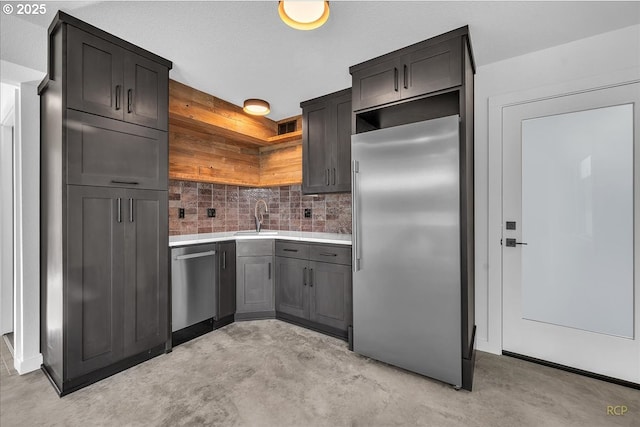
(292, 250)
(106, 152)
(331, 254)
(254, 248)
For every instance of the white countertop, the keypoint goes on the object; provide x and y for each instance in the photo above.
(302, 236)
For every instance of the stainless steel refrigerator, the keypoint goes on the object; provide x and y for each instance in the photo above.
(407, 247)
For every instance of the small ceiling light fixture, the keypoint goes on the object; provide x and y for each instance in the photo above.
(304, 15)
(257, 107)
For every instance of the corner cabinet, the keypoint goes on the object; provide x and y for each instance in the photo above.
(326, 143)
(254, 281)
(313, 286)
(104, 208)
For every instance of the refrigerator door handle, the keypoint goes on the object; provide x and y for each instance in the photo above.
(354, 193)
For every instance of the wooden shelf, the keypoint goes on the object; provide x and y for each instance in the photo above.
(212, 140)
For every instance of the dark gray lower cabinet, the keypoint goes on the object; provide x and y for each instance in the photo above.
(330, 294)
(313, 286)
(292, 291)
(254, 281)
(146, 280)
(226, 279)
(117, 275)
(95, 291)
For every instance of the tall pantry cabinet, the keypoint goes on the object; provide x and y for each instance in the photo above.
(103, 207)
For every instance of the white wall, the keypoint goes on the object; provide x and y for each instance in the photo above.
(604, 55)
(27, 355)
(7, 95)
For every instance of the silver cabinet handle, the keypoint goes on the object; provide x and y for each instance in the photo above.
(129, 100)
(327, 254)
(304, 276)
(130, 210)
(269, 271)
(119, 209)
(311, 277)
(113, 181)
(395, 78)
(224, 260)
(118, 95)
(354, 236)
(196, 255)
(406, 84)
(334, 176)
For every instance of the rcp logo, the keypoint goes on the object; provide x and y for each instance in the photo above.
(617, 410)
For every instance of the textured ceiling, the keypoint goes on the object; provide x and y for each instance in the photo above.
(238, 50)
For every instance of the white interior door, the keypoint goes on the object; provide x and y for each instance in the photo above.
(571, 193)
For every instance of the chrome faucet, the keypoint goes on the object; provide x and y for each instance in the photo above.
(259, 220)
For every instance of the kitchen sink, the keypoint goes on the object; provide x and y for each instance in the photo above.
(256, 233)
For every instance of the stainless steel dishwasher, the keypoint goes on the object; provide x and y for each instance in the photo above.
(193, 282)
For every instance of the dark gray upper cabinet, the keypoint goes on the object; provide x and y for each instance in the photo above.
(146, 99)
(226, 279)
(107, 152)
(94, 69)
(313, 285)
(416, 70)
(326, 143)
(114, 82)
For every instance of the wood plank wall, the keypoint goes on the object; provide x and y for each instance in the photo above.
(211, 141)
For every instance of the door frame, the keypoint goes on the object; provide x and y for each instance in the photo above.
(496, 106)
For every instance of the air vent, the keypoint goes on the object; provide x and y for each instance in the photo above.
(286, 127)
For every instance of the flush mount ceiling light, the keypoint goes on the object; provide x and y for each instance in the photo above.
(257, 107)
(304, 15)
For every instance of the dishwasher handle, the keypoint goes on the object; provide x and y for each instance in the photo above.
(196, 255)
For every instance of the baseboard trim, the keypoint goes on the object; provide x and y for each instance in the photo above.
(257, 315)
(589, 374)
(24, 366)
(327, 330)
(69, 386)
(183, 335)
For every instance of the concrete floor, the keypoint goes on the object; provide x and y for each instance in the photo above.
(270, 373)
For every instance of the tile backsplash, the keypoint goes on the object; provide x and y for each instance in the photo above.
(234, 209)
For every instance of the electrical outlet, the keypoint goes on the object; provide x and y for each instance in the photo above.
(307, 213)
(181, 213)
(211, 212)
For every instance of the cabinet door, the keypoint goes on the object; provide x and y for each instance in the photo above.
(330, 294)
(254, 290)
(226, 279)
(316, 151)
(341, 172)
(376, 85)
(292, 296)
(94, 74)
(146, 96)
(95, 272)
(432, 68)
(108, 152)
(146, 269)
